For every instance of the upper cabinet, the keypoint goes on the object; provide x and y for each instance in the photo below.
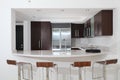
(41, 35)
(103, 23)
(77, 30)
(99, 25)
(87, 29)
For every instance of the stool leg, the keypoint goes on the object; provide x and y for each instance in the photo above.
(70, 73)
(19, 72)
(80, 74)
(85, 74)
(56, 72)
(43, 72)
(104, 72)
(22, 71)
(93, 71)
(47, 73)
(27, 69)
(31, 71)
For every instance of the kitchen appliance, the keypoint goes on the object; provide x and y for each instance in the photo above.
(61, 36)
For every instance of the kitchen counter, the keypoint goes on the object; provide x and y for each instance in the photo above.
(73, 55)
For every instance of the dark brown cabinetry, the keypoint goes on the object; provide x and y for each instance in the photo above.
(41, 35)
(77, 30)
(103, 23)
(35, 35)
(46, 36)
(87, 29)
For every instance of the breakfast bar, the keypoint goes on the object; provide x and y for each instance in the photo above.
(68, 56)
(84, 62)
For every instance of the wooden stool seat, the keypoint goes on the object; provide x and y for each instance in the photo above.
(110, 61)
(11, 62)
(82, 64)
(45, 64)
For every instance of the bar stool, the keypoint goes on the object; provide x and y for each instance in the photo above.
(104, 64)
(24, 69)
(80, 65)
(46, 65)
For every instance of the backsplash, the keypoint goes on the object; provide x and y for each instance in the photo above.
(103, 42)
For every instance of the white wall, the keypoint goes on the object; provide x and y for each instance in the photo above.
(27, 36)
(8, 73)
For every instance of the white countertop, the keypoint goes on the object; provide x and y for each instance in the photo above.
(56, 54)
(73, 55)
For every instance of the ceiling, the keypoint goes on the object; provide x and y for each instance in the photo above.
(56, 15)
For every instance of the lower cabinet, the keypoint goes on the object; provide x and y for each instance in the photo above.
(41, 35)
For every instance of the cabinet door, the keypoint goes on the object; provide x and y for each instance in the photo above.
(81, 30)
(73, 33)
(103, 23)
(98, 24)
(77, 30)
(35, 35)
(87, 29)
(46, 36)
(107, 22)
(92, 26)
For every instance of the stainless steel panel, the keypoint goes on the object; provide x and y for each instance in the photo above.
(61, 37)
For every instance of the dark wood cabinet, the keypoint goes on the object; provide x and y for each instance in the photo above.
(103, 23)
(19, 37)
(35, 35)
(41, 35)
(87, 29)
(77, 30)
(46, 36)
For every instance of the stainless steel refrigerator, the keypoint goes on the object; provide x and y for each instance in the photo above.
(61, 36)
